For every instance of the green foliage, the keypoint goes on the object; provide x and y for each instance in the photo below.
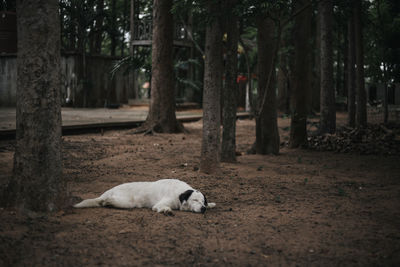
(183, 65)
(381, 32)
(141, 60)
(7, 5)
(382, 39)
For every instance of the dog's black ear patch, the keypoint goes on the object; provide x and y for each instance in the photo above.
(185, 195)
(205, 200)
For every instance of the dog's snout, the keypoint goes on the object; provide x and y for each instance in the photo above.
(203, 209)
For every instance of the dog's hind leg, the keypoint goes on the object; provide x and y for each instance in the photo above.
(120, 202)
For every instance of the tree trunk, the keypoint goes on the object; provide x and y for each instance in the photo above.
(37, 183)
(132, 77)
(161, 117)
(249, 87)
(338, 80)
(99, 27)
(328, 113)
(345, 61)
(124, 20)
(267, 135)
(351, 94)
(283, 83)
(316, 86)
(72, 30)
(114, 30)
(301, 83)
(361, 108)
(213, 65)
(230, 90)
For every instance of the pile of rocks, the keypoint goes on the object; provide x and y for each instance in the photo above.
(374, 139)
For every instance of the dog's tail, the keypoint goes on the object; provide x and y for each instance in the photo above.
(89, 203)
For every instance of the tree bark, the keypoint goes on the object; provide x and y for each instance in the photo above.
(99, 27)
(283, 83)
(338, 78)
(351, 94)
(300, 93)
(213, 66)
(114, 30)
(267, 135)
(361, 108)
(249, 87)
(316, 86)
(124, 21)
(37, 183)
(230, 90)
(134, 93)
(328, 113)
(161, 117)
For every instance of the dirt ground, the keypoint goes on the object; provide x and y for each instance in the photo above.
(300, 208)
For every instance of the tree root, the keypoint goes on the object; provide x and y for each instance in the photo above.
(152, 128)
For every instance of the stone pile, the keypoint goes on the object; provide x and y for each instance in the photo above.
(371, 140)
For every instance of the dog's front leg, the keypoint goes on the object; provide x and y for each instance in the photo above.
(163, 207)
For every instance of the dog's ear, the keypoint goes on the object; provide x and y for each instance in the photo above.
(185, 195)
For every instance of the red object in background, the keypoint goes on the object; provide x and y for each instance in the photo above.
(241, 78)
(8, 33)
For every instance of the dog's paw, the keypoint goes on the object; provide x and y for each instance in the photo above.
(164, 210)
(169, 213)
(211, 205)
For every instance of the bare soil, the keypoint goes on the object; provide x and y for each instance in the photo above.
(300, 208)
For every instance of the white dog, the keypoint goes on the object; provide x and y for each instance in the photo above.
(161, 196)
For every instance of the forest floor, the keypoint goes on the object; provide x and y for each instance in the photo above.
(300, 208)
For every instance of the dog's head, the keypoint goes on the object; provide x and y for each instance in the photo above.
(194, 201)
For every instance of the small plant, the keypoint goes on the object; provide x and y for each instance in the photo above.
(299, 159)
(305, 181)
(341, 192)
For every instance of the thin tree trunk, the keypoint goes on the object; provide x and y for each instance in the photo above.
(114, 30)
(131, 27)
(132, 75)
(385, 96)
(316, 89)
(351, 93)
(230, 90)
(213, 65)
(283, 82)
(328, 113)
(345, 61)
(249, 87)
(361, 108)
(301, 84)
(124, 18)
(161, 117)
(99, 27)
(72, 30)
(267, 135)
(38, 183)
(384, 56)
(339, 87)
